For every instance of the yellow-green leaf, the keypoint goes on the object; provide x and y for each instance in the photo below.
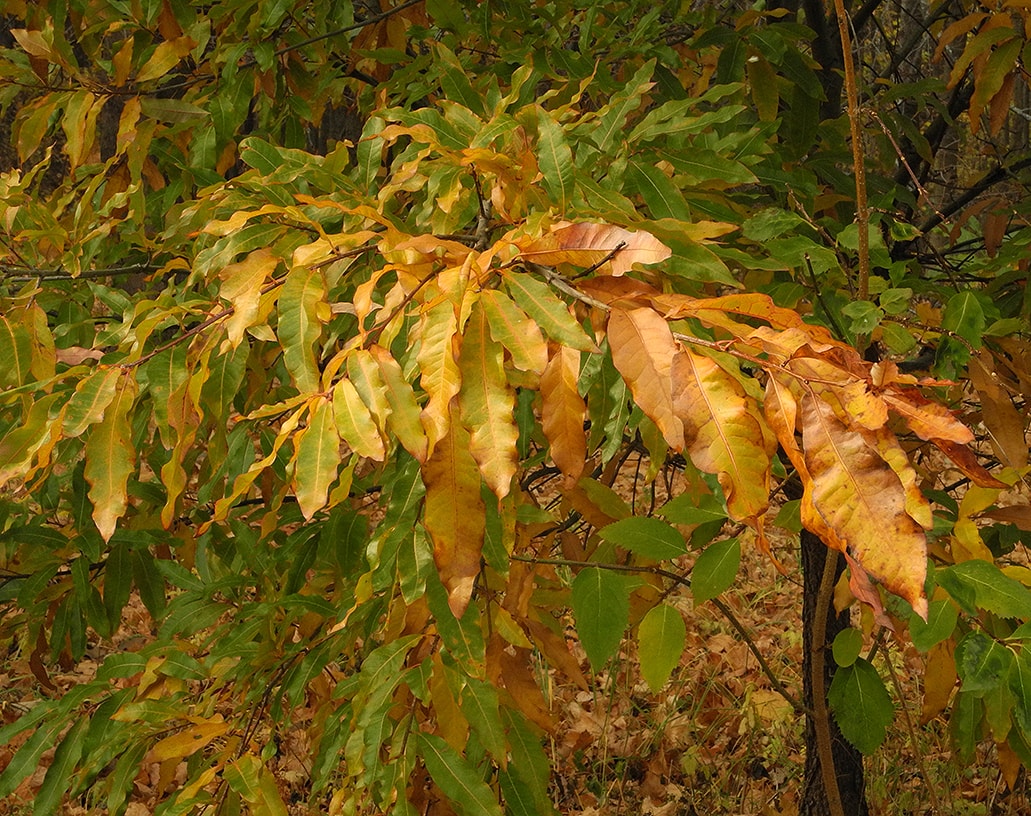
(92, 396)
(723, 432)
(318, 458)
(188, 741)
(511, 327)
(355, 423)
(455, 515)
(303, 292)
(404, 418)
(541, 304)
(110, 459)
(488, 404)
(642, 351)
(555, 159)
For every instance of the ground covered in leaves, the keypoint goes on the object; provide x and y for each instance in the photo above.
(718, 739)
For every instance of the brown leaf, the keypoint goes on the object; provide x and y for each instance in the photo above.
(584, 245)
(454, 515)
(519, 680)
(1019, 515)
(965, 460)
(928, 420)
(1006, 425)
(555, 649)
(642, 351)
(862, 503)
(563, 411)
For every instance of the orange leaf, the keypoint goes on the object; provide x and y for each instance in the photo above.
(723, 432)
(488, 404)
(563, 411)
(642, 351)
(862, 503)
(455, 516)
(926, 419)
(965, 460)
(585, 245)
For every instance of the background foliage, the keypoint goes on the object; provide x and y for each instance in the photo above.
(329, 326)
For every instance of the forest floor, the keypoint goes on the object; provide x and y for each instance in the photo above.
(717, 740)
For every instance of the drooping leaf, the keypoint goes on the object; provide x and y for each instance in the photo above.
(861, 704)
(110, 458)
(563, 412)
(455, 516)
(488, 404)
(16, 351)
(511, 327)
(642, 351)
(661, 636)
(440, 376)
(715, 569)
(723, 432)
(89, 402)
(301, 300)
(459, 781)
(555, 158)
(855, 502)
(241, 287)
(404, 420)
(318, 458)
(983, 663)
(355, 423)
(601, 608)
(941, 623)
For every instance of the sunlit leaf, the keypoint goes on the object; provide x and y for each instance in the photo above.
(111, 459)
(563, 412)
(302, 294)
(318, 458)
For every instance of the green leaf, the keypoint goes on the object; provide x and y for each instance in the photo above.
(941, 623)
(555, 159)
(92, 396)
(480, 705)
(539, 303)
(965, 316)
(982, 663)
(1019, 682)
(661, 195)
(967, 716)
(863, 316)
(848, 643)
(249, 777)
(693, 508)
(648, 537)
(110, 459)
(991, 589)
(59, 774)
(661, 636)
(459, 781)
(601, 608)
(861, 704)
(715, 569)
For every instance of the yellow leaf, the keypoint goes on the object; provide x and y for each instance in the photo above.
(241, 287)
(723, 432)
(563, 411)
(455, 515)
(862, 503)
(318, 458)
(488, 404)
(439, 374)
(165, 57)
(110, 458)
(188, 741)
(404, 410)
(642, 351)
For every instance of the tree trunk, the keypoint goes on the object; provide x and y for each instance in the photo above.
(848, 762)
